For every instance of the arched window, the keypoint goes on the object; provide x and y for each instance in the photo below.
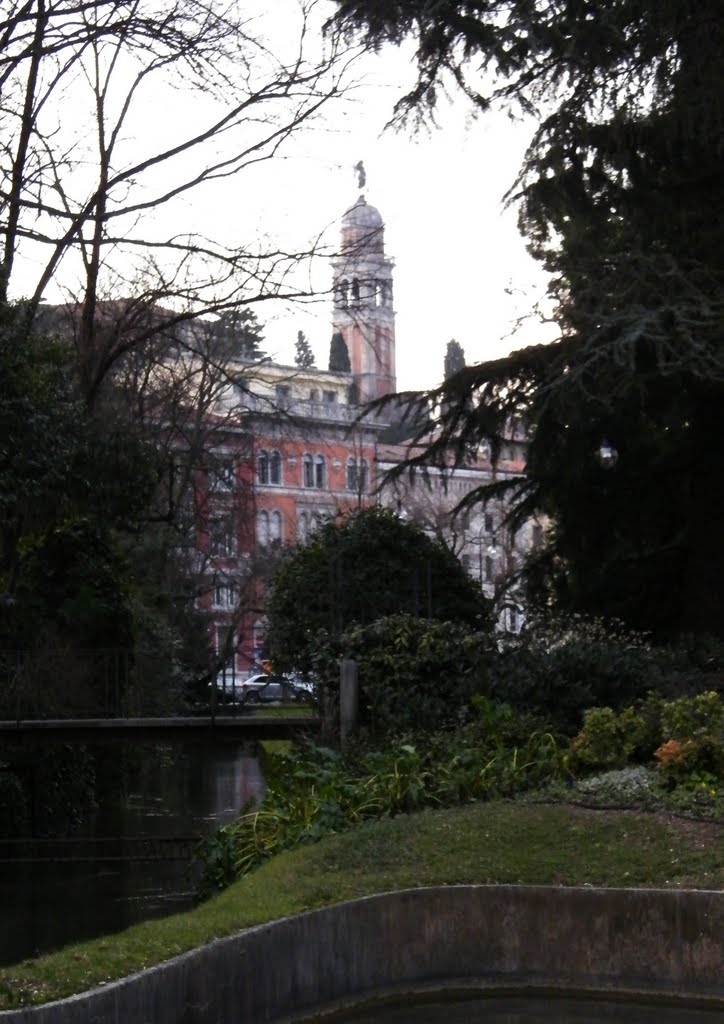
(275, 528)
(320, 472)
(308, 471)
(262, 467)
(262, 528)
(275, 468)
(258, 634)
(355, 290)
(302, 526)
(357, 475)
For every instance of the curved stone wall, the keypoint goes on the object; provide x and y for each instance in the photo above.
(655, 943)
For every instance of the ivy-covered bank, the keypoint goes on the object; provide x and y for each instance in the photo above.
(476, 843)
(579, 711)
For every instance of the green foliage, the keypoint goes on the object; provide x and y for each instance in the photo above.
(303, 355)
(316, 791)
(46, 790)
(67, 482)
(685, 736)
(607, 740)
(339, 355)
(615, 195)
(216, 856)
(559, 668)
(237, 334)
(413, 673)
(693, 717)
(357, 570)
(14, 803)
(692, 731)
(454, 359)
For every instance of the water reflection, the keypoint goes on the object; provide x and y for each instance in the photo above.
(180, 790)
(541, 1010)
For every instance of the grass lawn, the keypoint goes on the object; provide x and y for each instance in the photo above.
(516, 843)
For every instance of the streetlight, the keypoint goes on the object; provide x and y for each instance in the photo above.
(607, 455)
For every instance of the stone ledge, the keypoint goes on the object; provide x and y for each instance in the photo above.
(643, 943)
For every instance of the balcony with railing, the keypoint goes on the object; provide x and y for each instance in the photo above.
(304, 409)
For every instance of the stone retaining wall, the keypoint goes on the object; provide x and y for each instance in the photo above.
(655, 943)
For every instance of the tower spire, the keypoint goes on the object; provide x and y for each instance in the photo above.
(363, 309)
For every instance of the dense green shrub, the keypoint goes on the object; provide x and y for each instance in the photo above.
(685, 736)
(692, 731)
(413, 673)
(316, 790)
(607, 740)
(356, 570)
(561, 669)
(417, 673)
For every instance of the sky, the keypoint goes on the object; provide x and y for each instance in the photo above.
(461, 267)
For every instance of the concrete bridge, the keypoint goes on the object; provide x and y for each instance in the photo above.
(254, 725)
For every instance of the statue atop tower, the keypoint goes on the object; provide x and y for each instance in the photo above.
(363, 311)
(361, 175)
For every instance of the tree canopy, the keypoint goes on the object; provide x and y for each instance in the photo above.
(356, 570)
(339, 354)
(68, 483)
(454, 359)
(303, 355)
(616, 197)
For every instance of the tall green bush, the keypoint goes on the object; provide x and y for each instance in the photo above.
(413, 673)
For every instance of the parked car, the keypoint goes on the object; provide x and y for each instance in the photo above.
(270, 689)
(227, 685)
(262, 688)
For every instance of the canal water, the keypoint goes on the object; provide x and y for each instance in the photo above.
(179, 790)
(520, 1010)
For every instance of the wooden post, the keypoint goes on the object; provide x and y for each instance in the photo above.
(348, 699)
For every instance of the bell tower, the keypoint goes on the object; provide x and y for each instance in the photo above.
(363, 313)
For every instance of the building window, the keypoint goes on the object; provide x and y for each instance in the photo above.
(262, 467)
(262, 528)
(308, 471)
(283, 393)
(488, 522)
(314, 395)
(302, 526)
(355, 290)
(275, 468)
(225, 641)
(222, 476)
(276, 532)
(222, 536)
(537, 539)
(357, 475)
(343, 292)
(224, 595)
(258, 634)
(488, 568)
(329, 397)
(307, 523)
(320, 473)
